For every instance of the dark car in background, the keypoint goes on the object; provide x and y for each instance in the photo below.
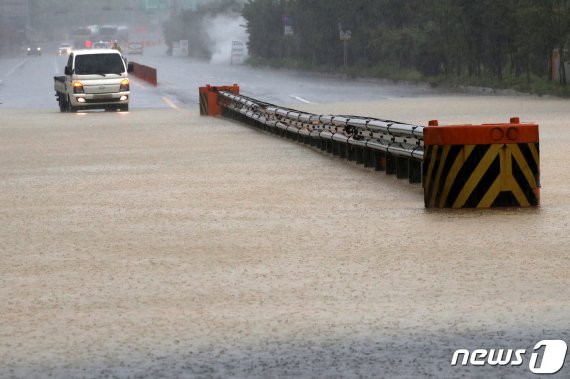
(34, 50)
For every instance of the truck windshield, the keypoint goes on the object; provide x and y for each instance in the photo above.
(91, 64)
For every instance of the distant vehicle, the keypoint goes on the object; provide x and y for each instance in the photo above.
(101, 45)
(135, 48)
(108, 33)
(81, 37)
(94, 29)
(64, 49)
(94, 78)
(122, 33)
(82, 31)
(34, 50)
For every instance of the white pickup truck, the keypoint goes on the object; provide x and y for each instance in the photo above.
(94, 79)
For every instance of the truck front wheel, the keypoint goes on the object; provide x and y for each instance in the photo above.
(70, 108)
(62, 103)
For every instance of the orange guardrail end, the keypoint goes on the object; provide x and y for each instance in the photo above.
(482, 166)
(209, 98)
(468, 134)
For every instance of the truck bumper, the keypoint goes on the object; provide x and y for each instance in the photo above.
(100, 100)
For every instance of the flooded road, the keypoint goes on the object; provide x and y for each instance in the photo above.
(159, 243)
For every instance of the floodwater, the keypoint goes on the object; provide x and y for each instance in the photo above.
(161, 244)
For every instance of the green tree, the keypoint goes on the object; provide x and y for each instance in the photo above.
(438, 38)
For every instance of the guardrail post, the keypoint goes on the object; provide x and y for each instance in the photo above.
(379, 161)
(342, 147)
(415, 168)
(390, 164)
(351, 153)
(359, 155)
(402, 171)
(330, 146)
(335, 148)
(368, 161)
(481, 166)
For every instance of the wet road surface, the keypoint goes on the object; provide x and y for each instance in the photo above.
(157, 243)
(27, 82)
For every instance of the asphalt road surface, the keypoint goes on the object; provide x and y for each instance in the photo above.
(158, 243)
(27, 82)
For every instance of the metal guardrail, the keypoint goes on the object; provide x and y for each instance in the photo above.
(391, 137)
(458, 165)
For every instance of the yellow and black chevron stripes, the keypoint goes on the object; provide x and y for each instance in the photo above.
(481, 176)
(203, 103)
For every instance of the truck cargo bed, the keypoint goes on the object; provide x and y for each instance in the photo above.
(59, 83)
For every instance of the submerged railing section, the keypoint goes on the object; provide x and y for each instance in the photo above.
(459, 166)
(393, 146)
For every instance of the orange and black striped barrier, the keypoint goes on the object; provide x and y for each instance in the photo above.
(481, 166)
(209, 105)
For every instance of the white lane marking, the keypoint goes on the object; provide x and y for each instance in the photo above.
(137, 84)
(20, 64)
(301, 99)
(169, 103)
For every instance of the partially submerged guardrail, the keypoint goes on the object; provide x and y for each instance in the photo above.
(460, 166)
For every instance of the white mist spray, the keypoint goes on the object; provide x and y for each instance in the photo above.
(222, 31)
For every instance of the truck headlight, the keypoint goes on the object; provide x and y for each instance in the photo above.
(124, 85)
(78, 87)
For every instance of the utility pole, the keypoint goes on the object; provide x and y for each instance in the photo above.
(344, 37)
(132, 18)
(28, 18)
(84, 20)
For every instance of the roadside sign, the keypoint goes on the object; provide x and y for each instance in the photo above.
(184, 47)
(345, 36)
(238, 52)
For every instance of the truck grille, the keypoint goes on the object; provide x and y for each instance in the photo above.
(99, 101)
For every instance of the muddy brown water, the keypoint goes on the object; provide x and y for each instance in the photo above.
(159, 243)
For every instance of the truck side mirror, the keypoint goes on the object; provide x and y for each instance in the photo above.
(67, 70)
(130, 67)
